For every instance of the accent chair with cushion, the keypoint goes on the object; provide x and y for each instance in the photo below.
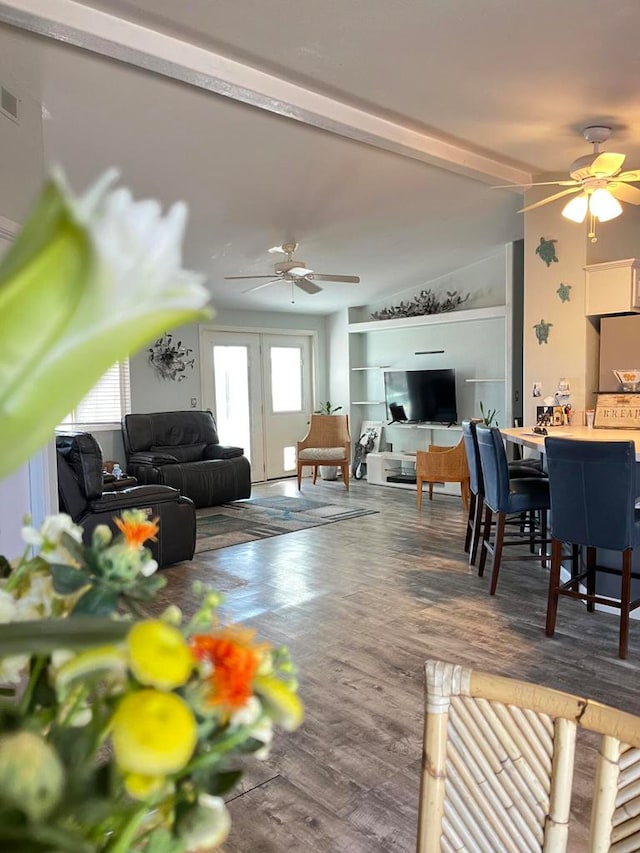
(442, 465)
(89, 503)
(182, 450)
(327, 442)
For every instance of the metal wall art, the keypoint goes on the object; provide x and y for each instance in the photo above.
(170, 360)
(542, 331)
(425, 303)
(564, 292)
(547, 251)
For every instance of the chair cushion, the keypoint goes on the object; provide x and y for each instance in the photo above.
(527, 493)
(319, 454)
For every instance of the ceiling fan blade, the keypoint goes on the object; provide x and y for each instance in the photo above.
(606, 164)
(629, 176)
(276, 250)
(624, 192)
(551, 198)
(307, 286)
(536, 184)
(301, 271)
(237, 277)
(260, 286)
(349, 279)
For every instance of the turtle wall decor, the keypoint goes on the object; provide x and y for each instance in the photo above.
(547, 251)
(542, 331)
(564, 292)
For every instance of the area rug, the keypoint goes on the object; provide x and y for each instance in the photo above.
(246, 521)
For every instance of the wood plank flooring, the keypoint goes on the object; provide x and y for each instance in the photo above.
(361, 605)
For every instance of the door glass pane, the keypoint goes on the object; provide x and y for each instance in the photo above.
(286, 379)
(231, 378)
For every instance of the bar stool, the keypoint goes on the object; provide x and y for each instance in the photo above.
(593, 493)
(507, 495)
(519, 468)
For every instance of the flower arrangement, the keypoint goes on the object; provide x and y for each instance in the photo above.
(116, 735)
(122, 732)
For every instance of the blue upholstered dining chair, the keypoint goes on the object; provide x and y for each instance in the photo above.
(506, 495)
(518, 468)
(593, 494)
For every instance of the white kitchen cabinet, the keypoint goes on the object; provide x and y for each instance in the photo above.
(612, 287)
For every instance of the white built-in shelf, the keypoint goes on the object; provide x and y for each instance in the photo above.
(434, 427)
(375, 367)
(485, 380)
(495, 312)
(367, 402)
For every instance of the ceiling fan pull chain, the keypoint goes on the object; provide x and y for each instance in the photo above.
(592, 228)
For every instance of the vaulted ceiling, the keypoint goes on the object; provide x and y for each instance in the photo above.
(404, 114)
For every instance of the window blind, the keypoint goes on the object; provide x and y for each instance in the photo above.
(107, 401)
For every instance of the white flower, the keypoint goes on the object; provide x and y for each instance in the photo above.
(86, 282)
(48, 538)
(7, 607)
(12, 668)
(205, 826)
(38, 600)
(248, 714)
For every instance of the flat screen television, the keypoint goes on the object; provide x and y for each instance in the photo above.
(418, 396)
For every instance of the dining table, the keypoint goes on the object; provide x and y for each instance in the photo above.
(526, 437)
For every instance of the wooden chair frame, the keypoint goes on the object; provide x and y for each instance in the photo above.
(326, 432)
(443, 465)
(498, 765)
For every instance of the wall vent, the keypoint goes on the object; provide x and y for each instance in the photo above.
(8, 104)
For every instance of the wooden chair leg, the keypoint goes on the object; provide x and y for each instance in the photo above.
(575, 560)
(430, 491)
(486, 532)
(419, 492)
(532, 531)
(591, 577)
(625, 600)
(554, 583)
(477, 529)
(465, 491)
(497, 551)
(345, 474)
(470, 517)
(315, 474)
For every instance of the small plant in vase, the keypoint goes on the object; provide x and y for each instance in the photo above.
(327, 409)
(488, 416)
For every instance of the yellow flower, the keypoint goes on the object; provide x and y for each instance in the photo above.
(142, 787)
(159, 655)
(282, 703)
(153, 733)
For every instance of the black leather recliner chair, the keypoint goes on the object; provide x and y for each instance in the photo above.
(82, 495)
(182, 449)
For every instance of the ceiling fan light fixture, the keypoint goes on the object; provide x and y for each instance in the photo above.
(576, 209)
(603, 205)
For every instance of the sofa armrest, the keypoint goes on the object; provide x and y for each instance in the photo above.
(152, 459)
(222, 451)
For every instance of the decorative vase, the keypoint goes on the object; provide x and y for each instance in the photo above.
(329, 472)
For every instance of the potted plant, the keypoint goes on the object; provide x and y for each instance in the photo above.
(328, 472)
(488, 417)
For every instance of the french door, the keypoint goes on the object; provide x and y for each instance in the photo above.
(260, 388)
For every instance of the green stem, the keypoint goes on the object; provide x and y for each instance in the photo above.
(25, 700)
(123, 843)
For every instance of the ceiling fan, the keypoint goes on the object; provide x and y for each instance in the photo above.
(294, 271)
(598, 179)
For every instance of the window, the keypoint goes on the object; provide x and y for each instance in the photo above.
(107, 401)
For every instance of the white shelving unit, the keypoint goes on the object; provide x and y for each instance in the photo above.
(478, 349)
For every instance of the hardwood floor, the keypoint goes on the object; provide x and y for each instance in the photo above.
(361, 605)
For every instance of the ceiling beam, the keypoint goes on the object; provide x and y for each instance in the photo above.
(117, 38)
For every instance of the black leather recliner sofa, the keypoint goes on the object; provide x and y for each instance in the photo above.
(181, 449)
(82, 495)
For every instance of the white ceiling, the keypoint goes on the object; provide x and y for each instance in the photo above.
(513, 79)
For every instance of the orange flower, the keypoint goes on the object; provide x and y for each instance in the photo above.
(136, 527)
(235, 659)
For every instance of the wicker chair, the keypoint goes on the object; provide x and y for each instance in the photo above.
(443, 465)
(327, 442)
(498, 766)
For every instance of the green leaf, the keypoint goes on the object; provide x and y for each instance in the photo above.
(67, 580)
(44, 636)
(97, 601)
(218, 783)
(75, 548)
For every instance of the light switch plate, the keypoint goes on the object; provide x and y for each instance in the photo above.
(194, 402)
